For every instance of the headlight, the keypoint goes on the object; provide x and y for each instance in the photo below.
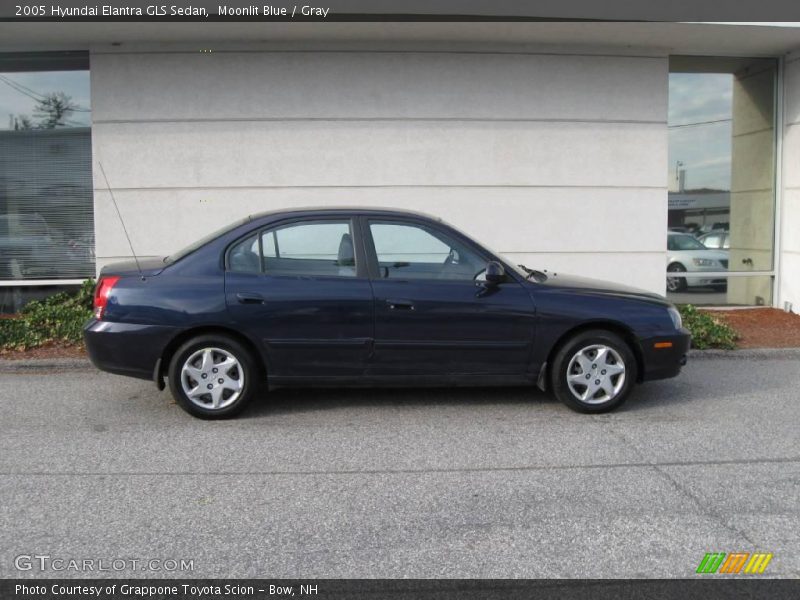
(704, 262)
(675, 316)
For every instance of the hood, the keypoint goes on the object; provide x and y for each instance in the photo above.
(711, 253)
(575, 283)
(149, 267)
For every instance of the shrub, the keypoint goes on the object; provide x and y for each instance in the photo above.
(59, 318)
(707, 330)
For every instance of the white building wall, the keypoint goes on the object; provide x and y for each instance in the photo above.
(557, 160)
(789, 258)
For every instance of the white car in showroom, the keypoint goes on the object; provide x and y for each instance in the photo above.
(686, 254)
(716, 239)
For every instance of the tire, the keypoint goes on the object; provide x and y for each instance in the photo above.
(676, 284)
(232, 387)
(578, 357)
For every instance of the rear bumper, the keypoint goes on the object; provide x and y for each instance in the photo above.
(126, 348)
(665, 361)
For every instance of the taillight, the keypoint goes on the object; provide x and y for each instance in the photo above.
(101, 293)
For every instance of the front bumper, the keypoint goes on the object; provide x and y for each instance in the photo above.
(664, 355)
(126, 348)
(705, 281)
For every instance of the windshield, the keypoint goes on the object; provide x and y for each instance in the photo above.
(203, 241)
(684, 242)
(521, 270)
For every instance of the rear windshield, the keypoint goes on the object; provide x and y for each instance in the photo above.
(203, 241)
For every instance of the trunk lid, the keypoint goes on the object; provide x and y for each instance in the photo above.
(149, 267)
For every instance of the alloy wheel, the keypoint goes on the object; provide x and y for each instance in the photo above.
(675, 284)
(596, 374)
(212, 378)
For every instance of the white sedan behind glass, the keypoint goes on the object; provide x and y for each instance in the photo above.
(685, 254)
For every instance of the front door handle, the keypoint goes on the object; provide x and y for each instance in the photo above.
(400, 304)
(249, 298)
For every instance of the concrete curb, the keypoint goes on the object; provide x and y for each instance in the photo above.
(44, 364)
(747, 353)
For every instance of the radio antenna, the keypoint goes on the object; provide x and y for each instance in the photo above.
(125, 229)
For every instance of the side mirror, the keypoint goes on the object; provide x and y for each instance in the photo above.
(495, 273)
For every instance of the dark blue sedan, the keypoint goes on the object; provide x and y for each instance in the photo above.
(346, 297)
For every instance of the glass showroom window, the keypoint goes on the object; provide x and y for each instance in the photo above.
(721, 180)
(46, 212)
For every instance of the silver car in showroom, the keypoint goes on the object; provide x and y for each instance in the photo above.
(686, 254)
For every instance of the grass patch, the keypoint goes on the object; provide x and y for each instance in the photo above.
(57, 319)
(707, 330)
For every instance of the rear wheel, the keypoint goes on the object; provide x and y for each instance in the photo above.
(594, 371)
(213, 377)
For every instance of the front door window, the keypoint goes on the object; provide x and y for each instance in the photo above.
(407, 251)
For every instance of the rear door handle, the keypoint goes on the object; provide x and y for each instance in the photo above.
(400, 304)
(249, 298)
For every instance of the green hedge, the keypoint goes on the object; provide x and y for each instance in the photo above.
(59, 318)
(707, 330)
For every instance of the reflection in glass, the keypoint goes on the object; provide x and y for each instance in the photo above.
(686, 254)
(701, 289)
(721, 173)
(12, 298)
(44, 100)
(46, 202)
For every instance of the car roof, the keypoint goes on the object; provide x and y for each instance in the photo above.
(336, 210)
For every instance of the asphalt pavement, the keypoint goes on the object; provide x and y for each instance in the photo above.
(401, 483)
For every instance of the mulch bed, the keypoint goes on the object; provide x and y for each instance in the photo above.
(48, 351)
(762, 327)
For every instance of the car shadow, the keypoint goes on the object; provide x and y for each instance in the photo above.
(650, 396)
(300, 400)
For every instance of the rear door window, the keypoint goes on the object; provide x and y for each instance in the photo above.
(323, 248)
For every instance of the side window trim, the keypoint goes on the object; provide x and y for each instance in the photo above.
(260, 253)
(226, 263)
(275, 242)
(373, 269)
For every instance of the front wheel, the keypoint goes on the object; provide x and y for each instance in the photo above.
(213, 377)
(593, 372)
(676, 284)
